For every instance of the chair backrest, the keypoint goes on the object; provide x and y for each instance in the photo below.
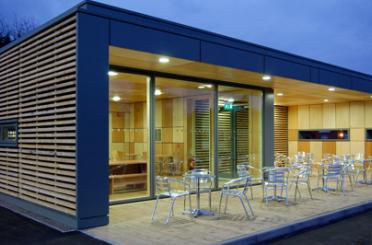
(242, 170)
(278, 175)
(334, 169)
(163, 185)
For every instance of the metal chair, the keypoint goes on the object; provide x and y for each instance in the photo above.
(164, 189)
(302, 177)
(333, 172)
(231, 189)
(243, 170)
(277, 179)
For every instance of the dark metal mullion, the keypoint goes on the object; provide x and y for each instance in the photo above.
(151, 130)
(215, 134)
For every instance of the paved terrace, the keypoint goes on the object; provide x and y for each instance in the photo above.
(130, 223)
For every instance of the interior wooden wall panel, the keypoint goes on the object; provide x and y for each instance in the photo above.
(342, 115)
(342, 147)
(329, 147)
(368, 114)
(357, 147)
(315, 116)
(356, 114)
(292, 134)
(38, 87)
(368, 149)
(329, 116)
(303, 117)
(281, 129)
(357, 134)
(293, 117)
(316, 147)
(303, 146)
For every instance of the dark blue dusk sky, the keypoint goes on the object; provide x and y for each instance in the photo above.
(334, 31)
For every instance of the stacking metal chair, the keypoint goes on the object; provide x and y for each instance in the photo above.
(243, 170)
(231, 189)
(348, 172)
(277, 179)
(333, 172)
(164, 188)
(302, 177)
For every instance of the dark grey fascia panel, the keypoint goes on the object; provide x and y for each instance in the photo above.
(154, 41)
(357, 83)
(226, 56)
(132, 17)
(278, 67)
(92, 98)
(334, 79)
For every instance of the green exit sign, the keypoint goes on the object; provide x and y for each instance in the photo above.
(228, 106)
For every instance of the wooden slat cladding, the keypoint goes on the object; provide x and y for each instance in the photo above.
(281, 129)
(38, 87)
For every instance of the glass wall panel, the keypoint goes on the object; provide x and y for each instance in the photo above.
(183, 126)
(239, 131)
(128, 125)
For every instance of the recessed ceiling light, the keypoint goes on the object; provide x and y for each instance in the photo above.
(331, 89)
(112, 73)
(116, 98)
(266, 77)
(201, 86)
(325, 100)
(164, 60)
(158, 92)
(279, 94)
(370, 96)
(205, 86)
(231, 100)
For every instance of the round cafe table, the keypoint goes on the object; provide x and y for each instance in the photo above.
(197, 176)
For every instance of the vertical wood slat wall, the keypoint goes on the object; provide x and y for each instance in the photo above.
(281, 129)
(38, 87)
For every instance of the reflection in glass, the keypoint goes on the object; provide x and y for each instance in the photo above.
(128, 126)
(183, 114)
(239, 131)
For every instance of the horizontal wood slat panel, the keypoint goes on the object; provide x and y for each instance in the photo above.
(38, 87)
(281, 129)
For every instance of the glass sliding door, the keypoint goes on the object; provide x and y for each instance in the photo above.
(128, 137)
(183, 126)
(239, 131)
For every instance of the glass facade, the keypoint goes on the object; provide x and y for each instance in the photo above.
(182, 116)
(183, 123)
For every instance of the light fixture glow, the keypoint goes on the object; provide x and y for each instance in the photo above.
(370, 96)
(266, 77)
(205, 86)
(201, 87)
(164, 60)
(325, 100)
(116, 98)
(280, 94)
(112, 73)
(158, 92)
(332, 89)
(230, 100)
(208, 85)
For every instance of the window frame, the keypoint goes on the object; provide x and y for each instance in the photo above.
(8, 123)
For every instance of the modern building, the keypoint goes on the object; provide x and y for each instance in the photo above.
(100, 100)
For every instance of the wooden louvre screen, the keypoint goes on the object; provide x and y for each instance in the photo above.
(281, 129)
(224, 143)
(38, 88)
(202, 133)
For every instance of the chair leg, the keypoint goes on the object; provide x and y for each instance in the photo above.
(210, 200)
(266, 198)
(249, 204)
(296, 188)
(245, 209)
(155, 207)
(286, 195)
(226, 202)
(190, 207)
(219, 206)
(351, 183)
(309, 189)
(251, 188)
(170, 210)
